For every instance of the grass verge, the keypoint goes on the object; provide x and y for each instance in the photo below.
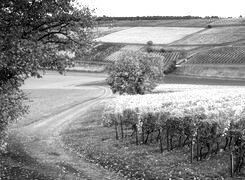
(88, 137)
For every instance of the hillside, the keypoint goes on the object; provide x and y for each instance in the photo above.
(200, 46)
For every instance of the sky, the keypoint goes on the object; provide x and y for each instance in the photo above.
(221, 8)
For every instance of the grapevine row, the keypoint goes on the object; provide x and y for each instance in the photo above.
(203, 126)
(225, 55)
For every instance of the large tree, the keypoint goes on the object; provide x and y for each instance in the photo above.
(32, 33)
(135, 72)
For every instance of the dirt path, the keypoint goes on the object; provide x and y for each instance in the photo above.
(41, 141)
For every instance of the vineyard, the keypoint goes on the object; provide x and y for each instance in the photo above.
(191, 23)
(101, 51)
(227, 22)
(169, 56)
(224, 55)
(203, 124)
(215, 36)
(142, 23)
(114, 56)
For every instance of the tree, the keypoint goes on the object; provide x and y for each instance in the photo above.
(32, 32)
(135, 73)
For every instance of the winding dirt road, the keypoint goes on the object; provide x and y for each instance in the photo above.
(41, 139)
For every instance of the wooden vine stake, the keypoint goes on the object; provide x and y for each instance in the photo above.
(192, 149)
(121, 124)
(232, 164)
(160, 141)
(136, 136)
(167, 137)
(198, 145)
(116, 130)
(142, 135)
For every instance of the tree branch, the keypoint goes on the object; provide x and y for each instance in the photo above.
(50, 33)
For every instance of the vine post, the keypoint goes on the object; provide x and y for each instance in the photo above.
(192, 149)
(231, 164)
(116, 130)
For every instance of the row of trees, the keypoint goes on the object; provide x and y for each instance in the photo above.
(108, 18)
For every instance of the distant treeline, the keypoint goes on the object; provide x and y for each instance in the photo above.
(108, 18)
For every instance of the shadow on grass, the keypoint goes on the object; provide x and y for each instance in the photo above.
(17, 164)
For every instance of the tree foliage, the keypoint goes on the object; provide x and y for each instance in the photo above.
(135, 73)
(32, 32)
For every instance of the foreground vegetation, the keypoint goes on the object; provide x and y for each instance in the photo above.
(88, 137)
(206, 124)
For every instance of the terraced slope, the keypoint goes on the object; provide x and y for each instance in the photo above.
(231, 55)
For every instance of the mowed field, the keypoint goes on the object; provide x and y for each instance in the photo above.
(140, 35)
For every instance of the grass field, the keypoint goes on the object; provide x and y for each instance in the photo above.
(215, 36)
(140, 35)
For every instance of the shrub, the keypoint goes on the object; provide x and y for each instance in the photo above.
(170, 67)
(162, 50)
(209, 26)
(149, 49)
(149, 43)
(135, 73)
